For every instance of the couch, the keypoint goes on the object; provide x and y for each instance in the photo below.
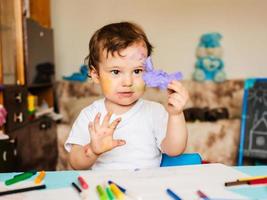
(215, 141)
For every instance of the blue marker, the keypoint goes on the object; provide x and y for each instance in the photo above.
(172, 194)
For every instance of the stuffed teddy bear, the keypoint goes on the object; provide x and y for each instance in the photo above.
(209, 68)
(209, 65)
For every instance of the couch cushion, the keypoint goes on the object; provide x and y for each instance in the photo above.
(215, 142)
(228, 94)
(75, 105)
(69, 92)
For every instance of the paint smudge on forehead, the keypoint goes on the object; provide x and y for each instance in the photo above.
(139, 54)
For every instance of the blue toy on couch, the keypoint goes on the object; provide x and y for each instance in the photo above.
(80, 76)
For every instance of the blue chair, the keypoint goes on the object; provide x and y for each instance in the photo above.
(183, 159)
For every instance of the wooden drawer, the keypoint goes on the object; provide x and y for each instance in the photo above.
(8, 155)
(15, 101)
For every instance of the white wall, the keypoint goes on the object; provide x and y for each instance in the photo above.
(173, 27)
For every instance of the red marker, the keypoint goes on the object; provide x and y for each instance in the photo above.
(82, 182)
(202, 195)
(258, 181)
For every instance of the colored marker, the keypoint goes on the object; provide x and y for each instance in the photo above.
(82, 194)
(26, 189)
(202, 195)
(117, 192)
(233, 183)
(251, 178)
(33, 172)
(251, 182)
(110, 194)
(82, 182)
(258, 181)
(40, 177)
(77, 188)
(19, 178)
(126, 192)
(101, 193)
(172, 194)
(121, 188)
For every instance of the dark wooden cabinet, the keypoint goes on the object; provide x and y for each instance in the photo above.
(36, 139)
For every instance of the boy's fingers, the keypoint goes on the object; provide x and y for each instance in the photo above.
(117, 143)
(114, 124)
(106, 119)
(96, 124)
(176, 86)
(181, 93)
(176, 96)
(175, 102)
(91, 128)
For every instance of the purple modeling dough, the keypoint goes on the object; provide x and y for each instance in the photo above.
(158, 78)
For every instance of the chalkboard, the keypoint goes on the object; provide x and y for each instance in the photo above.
(253, 135)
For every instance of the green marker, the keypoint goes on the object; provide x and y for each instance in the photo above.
(19, 178)
(110, 193)
(101, 193)
(33, 172)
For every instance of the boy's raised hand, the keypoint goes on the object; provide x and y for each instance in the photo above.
(102, 134)
(177, 97)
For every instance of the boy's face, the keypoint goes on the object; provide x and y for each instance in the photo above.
(120, 76)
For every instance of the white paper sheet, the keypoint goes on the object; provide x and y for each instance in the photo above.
(151, 184)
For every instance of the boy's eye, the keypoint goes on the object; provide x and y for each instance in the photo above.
(138, 71)
(115, 72)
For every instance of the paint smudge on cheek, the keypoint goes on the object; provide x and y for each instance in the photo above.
(140, 87)
(106, 85)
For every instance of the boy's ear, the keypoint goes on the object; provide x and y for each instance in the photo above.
(94, 74)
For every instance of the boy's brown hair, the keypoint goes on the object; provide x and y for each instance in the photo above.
(113, 38)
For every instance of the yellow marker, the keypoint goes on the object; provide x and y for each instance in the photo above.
(40, 177)
(117, 192)
(251, 178)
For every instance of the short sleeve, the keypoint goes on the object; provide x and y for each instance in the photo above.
(160, 116)
(79, 133)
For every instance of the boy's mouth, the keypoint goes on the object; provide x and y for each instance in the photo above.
(125, 94)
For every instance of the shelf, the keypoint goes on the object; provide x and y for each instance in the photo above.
(40, 85)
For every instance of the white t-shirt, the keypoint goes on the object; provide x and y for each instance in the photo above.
(143, 128)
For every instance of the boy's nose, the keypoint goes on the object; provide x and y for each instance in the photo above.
(127, 80)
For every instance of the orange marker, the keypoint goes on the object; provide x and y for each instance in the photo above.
(82, 182)
(40, 177)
